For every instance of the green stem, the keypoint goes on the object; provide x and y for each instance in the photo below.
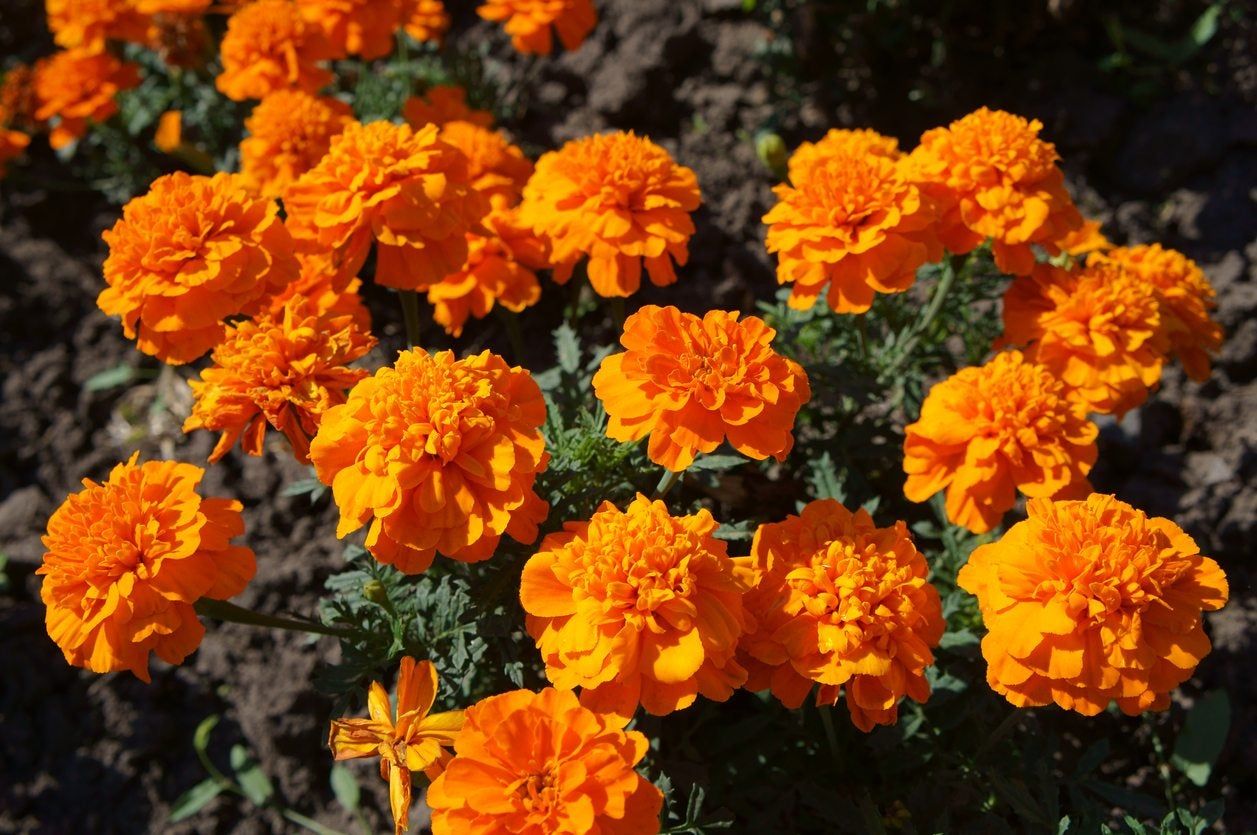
(827, 721)
(617, 312)
(1001, 730)
(666, 483)
(410, 314)
(230, 612)
(513, 334)
(951, 268)
(861, 335)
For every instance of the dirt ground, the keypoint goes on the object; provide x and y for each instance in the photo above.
(1175, 162)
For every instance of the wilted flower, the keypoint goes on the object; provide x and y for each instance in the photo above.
(1087, 238)
(356, 27)
(442, 104)
(75, 87)
(986, 433)
(437, 454)
(425, 20)
(1092, 602)
(88, 24)
(995, 178)
(692, 383)
(128, 559)
(840, 602)
(410, 738)
(528, 22)
(636, 607)
(854, 221)
(404, 189)
(181, 40)
(539, 763)
(268, 47)
(288, 133)
(842, 143)
(495, 167)
(189, 254)
(619, 199)
(1097, 328)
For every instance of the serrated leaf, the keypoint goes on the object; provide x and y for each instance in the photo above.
(345, 787)
(194, 800)
(257, 786)
(1203, 735)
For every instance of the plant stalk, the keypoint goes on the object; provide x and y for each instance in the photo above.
(410, 314)
(230, 612)
(666, 483)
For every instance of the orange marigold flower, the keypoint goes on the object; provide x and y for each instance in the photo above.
(619, 199)
(844, 143)
(410, 738)
(501, 269)
(528, 22)
(356, 27)
(1187, 301)
(425, 20)
(189, 254)
(12, 145)
(437, 454)
(327, 288)
(636, 607)
(88, 24)
(75, 87)
(690, 383)
(987, 432)
(181, 40)
(1091, 602)
(169, 134)
(442, 104)
(495, 167)
(180, 7)
(1097, 328)
(540, 762)
(128, 559)
(1084, 240)
(405, 189)
(996, 179)
(18, 102)
(289, 132)
(268, 47)
(284, 369)
(854, 221)
(840, 602)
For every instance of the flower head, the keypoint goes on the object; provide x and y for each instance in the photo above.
(495, 167)
(437, 454)
(325, 287)
(356, 27)
(840, 602)
(181, 40)
(425, 20)
(987, 432)
(1092, 602)
(636, 607)
(618, 199)
(442, 104)
(1084, 240)
(269, 46)
(1186, 297)
(75, 87)
(844, 143)
(1097, 328)
(539, 762)
(691, 383)
(996, 179)
(854, 221)
(128, 559)
(528, 22)
(182, 7)
(89, 24)
(189, 254)
(501, 269)
(410, 738)
(404, 189)
(289, 132)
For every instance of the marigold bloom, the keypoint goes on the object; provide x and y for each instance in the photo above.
(405, 189)
(1186, 297)
(410, 738)
(289, 132)
(75, 87)
(843, 143)
(636, 607)
(501, 269)
(1091, 602)
(128, 559)
(495, 167)
(854, 221)
(18, 101)
(437, 454)
(619, 199)
(996, 179)
(179, 7)
(539, 763)
(88, 24)
(425, 20)
(528, 22)
(324, 286)
(181, 40)
(691, 383)
(441, 105)
(190, 253)
(1085, 239)
(1097, 328)
(356, 27)
(268, 47)
(987, 432)
(840, 602)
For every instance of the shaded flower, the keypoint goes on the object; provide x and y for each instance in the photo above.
(618, 199)
(1092, 602)
(127, 560)
(842, 143)
(692, 383)
(18, 101)
(75, 87)
(181, 40)
(89, 24)
(840, 602)
(495, 167)
(356, 27)
(636, 607)
(288, 133)
(442, 104)
(425, 20)
(529, 22)
(438, 455)
(190, 253)
(986, 433)
(13, 144)
(327, 288)
(540, 763)
(268, 47)
(410, 738)
(1086, 239)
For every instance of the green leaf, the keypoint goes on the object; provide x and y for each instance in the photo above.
(195, 799)
(1091, 758)
(958, 639)
(116, 377)
(345, 787)
(716, 462)
(201, 738)
(825, 479)
(567, 348)
(257, 786)
(1203, 735)
(1205, 27)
